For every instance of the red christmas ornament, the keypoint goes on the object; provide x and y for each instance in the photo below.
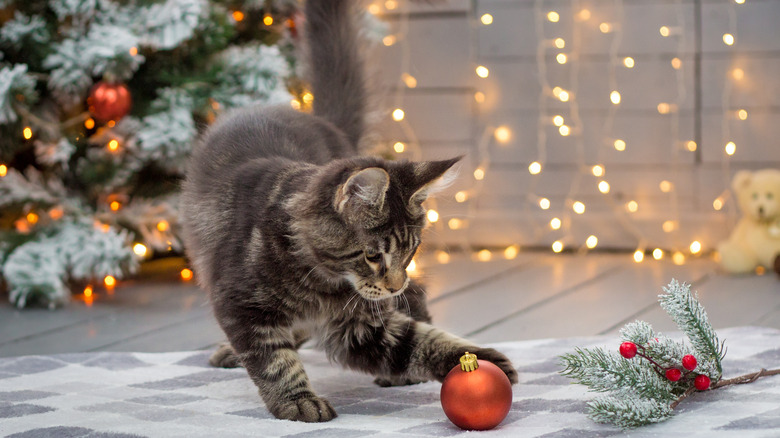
(628, 350)
(109, 101)
(673, 374)
(689, 362)
(476, 395)
(701, 382)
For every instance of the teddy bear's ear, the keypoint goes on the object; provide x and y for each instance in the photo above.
(741, 180)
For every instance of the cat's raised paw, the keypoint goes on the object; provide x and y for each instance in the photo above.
(309, 410)
(499, 360)
(224, 357)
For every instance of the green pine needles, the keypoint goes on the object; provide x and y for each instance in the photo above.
(650, 374)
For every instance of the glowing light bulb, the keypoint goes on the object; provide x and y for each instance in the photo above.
(510, 253)
(89, 123)
(3, 170)
(561, 58)
(553, 16)
(728, 39)
(665, 31)
(484, 255)
(535, 168)
(563, 96)
(598, 170)
(391, 5)
(374, 9)
(442, 257)
(632, 206)
(678, 258)
(591, 241)
(27, 133)
(557, 246)
(32, 218)
(544, 203)
(479, 174)
(717, 204)
(742, 114)
(658, 254)
(639, 255)
(669, 226)
(133, 51)
(308, 97)
(557, 120)
(433, 216)
(295, 104)
(628, 62)
(663, 108)
(584, 15)
(578, 207)
(676, 63)
(268, 20)
(666, 186)
(409, 80)
(730, 148)
(486, 19)
(502, 134)
(163, 226)
(482, 71)
(556, 91)
(399, 147)
(412, 267)
(614, 96)
(479, 97)
(691, 145)
(398, 114)
(186, 274)
(455, 224)
(738, 74)
(238, 15)
(461, 196)
(113, 145)
(620, 145)
(559, 43)
(605, 27)
(604, 187)
(140, 249)
(695, 247)
(555, 223)
(739, 2)
(389, 40)
(114, 205)
(564, 130)
(109, 281)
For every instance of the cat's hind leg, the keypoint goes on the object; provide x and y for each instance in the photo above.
(224, 357)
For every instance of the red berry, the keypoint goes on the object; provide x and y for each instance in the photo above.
(701, 382)
(689, 362)
(673, 374)
(628, 350)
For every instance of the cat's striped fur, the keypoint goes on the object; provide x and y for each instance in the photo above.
(290, 230)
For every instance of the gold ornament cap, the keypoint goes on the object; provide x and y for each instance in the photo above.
(468, 362)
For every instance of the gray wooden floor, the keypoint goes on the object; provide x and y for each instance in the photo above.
(536, 295)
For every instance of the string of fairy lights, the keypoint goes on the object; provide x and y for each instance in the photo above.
(569, 124)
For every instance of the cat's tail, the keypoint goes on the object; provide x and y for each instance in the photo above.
(335, 65)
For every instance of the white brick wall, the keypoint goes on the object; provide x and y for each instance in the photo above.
(441, 45)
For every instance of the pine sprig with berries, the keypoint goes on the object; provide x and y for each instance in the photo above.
(651, 374)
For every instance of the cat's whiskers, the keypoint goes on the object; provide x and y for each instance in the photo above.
(355, 294)
(306, 276)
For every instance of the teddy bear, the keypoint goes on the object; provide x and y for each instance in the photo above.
(755, 241)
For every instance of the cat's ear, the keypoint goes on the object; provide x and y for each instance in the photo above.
(431, 177)
(362, 196)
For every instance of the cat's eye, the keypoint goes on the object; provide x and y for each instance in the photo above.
(373, 256)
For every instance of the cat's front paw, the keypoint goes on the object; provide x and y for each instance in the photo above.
(310, 410)
(499, 360)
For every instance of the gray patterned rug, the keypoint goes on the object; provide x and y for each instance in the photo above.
(113, 395)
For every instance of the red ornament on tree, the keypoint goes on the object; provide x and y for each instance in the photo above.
(476, 395)
(673, 374)
(108, 101)
(689, 362)
(701, 382)
(628, 350)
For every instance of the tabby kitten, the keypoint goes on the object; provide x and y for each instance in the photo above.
(289, 229)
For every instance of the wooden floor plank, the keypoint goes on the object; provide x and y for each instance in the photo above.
(595, 307)
(480, 306)
(729, 301)
(194, 333)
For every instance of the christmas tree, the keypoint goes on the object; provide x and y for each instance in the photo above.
(101, 102)
(650, 374)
